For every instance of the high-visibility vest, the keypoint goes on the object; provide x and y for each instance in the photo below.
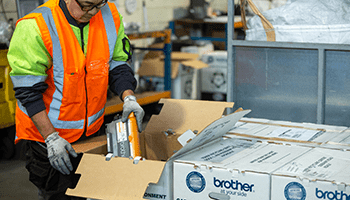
(77, 91)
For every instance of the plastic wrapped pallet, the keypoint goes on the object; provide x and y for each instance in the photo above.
(310, 21)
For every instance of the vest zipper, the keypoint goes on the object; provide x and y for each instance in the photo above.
(82, 38)
(86, 92)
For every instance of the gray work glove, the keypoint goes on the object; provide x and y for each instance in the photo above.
(57, 148)
(130, 105)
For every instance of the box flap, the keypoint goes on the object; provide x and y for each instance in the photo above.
(196, 64)
(215, 130)
(181, 56)
(155, 67)
(179, 115)
(116, 179)
(155, 54)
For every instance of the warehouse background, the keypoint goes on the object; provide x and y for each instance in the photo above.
(14, 183)
(159, 12)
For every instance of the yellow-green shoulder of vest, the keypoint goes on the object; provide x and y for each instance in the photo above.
(27, 54)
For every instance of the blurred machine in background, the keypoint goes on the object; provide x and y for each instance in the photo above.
(198, 9)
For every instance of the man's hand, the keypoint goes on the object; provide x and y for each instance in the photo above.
(130, 105)
(57, 148)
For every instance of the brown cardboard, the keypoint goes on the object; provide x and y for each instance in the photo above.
(154, 66)
(155, 54)
(179, 116)
(101, 179)
(196, 64)
(95, 145)
(219, 34)
(181, 56)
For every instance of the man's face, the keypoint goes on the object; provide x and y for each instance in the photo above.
(83, 10)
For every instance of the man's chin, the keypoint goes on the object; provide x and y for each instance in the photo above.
(84, 20)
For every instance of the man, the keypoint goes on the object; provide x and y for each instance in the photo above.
(63, 56)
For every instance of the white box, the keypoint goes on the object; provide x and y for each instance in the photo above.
(243, 175)
(216, 59)
(291, 131)
(200, 50)
(214, 80)
(342, 138)
(184, 86)
(319, 174)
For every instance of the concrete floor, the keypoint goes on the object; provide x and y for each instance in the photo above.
(14, 181)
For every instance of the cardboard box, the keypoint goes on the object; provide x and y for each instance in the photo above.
(178, 116)
(243, 175)
(120, 178)
(210, 135)
(305, 133)
(319, 174)
(220, 34)
(184, 72)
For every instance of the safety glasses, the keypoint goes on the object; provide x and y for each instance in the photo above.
(88, 8)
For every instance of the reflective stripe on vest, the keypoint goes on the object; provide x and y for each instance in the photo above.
(27, 81)
(111, 32)
(115, 64)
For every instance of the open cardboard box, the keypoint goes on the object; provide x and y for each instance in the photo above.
(120, 178)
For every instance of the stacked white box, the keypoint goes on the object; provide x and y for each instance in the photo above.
(184, 86)
(214, 78)
(243, 175)
(319, 174)
(315, 134)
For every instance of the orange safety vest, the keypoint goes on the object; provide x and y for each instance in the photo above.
(77, 91)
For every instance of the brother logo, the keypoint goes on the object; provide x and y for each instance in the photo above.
(235, 185)
(332, 195)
